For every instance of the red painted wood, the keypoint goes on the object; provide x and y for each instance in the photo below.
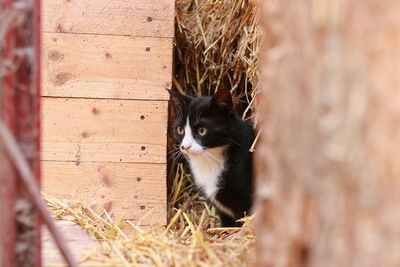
(37, 42)
(20, 109)
(37, 67)
(7, 174)
(9, 79)
(7, 199)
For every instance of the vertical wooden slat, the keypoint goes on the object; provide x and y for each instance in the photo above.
(7, 174)
(37, 110)
(20, 240)
(328, 159)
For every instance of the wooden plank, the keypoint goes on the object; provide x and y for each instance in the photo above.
(153, 18)
(81, 244)
(95, 66)
(104, 130)
(122, 188)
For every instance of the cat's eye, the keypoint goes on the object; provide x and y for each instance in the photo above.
(180, 130)
(202, 131)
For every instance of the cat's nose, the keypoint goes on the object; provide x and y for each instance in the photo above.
(186, 147)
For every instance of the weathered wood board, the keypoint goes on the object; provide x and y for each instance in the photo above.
(80, 243)
(154, 18)
(121, 188)
(104, 130)
(106, 66)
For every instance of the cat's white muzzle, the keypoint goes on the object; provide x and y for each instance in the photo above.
(189, 145)
(193, 148)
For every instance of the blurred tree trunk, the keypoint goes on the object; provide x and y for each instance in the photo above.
(328, 164)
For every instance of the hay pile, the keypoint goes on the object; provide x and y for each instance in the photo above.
(182, 243)
(216, 46)
(217, 43)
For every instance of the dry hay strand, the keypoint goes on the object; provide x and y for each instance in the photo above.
(183, 242)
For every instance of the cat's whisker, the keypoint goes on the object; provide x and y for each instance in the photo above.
(179, 112)
(210, 156)
(234, 142)
(205, 155)
(198, 114)
(178, 152)
(177, 157)
(173, 152)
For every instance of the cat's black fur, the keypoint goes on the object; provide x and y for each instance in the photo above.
(225, 128)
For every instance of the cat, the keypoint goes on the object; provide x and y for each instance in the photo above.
(215, 141)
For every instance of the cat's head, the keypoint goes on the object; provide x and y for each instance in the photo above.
(204, 122)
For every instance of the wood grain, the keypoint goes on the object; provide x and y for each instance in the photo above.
(80, 243)
(153, 18)
(96, 66)
(104, 130)
(122, 188)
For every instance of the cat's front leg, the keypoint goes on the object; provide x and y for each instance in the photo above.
(227, 221)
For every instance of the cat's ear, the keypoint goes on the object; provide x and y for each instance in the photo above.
(179, 99)
(222, 99)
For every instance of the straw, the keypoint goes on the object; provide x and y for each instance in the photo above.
(126, 244)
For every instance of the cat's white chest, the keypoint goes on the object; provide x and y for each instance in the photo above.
(207, 169)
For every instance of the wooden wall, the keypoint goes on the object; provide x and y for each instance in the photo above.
(328, 158)
(106, 65)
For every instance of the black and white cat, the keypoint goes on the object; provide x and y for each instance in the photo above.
(216, 143)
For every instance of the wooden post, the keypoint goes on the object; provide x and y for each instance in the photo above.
(328, 158)
(19, 109)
